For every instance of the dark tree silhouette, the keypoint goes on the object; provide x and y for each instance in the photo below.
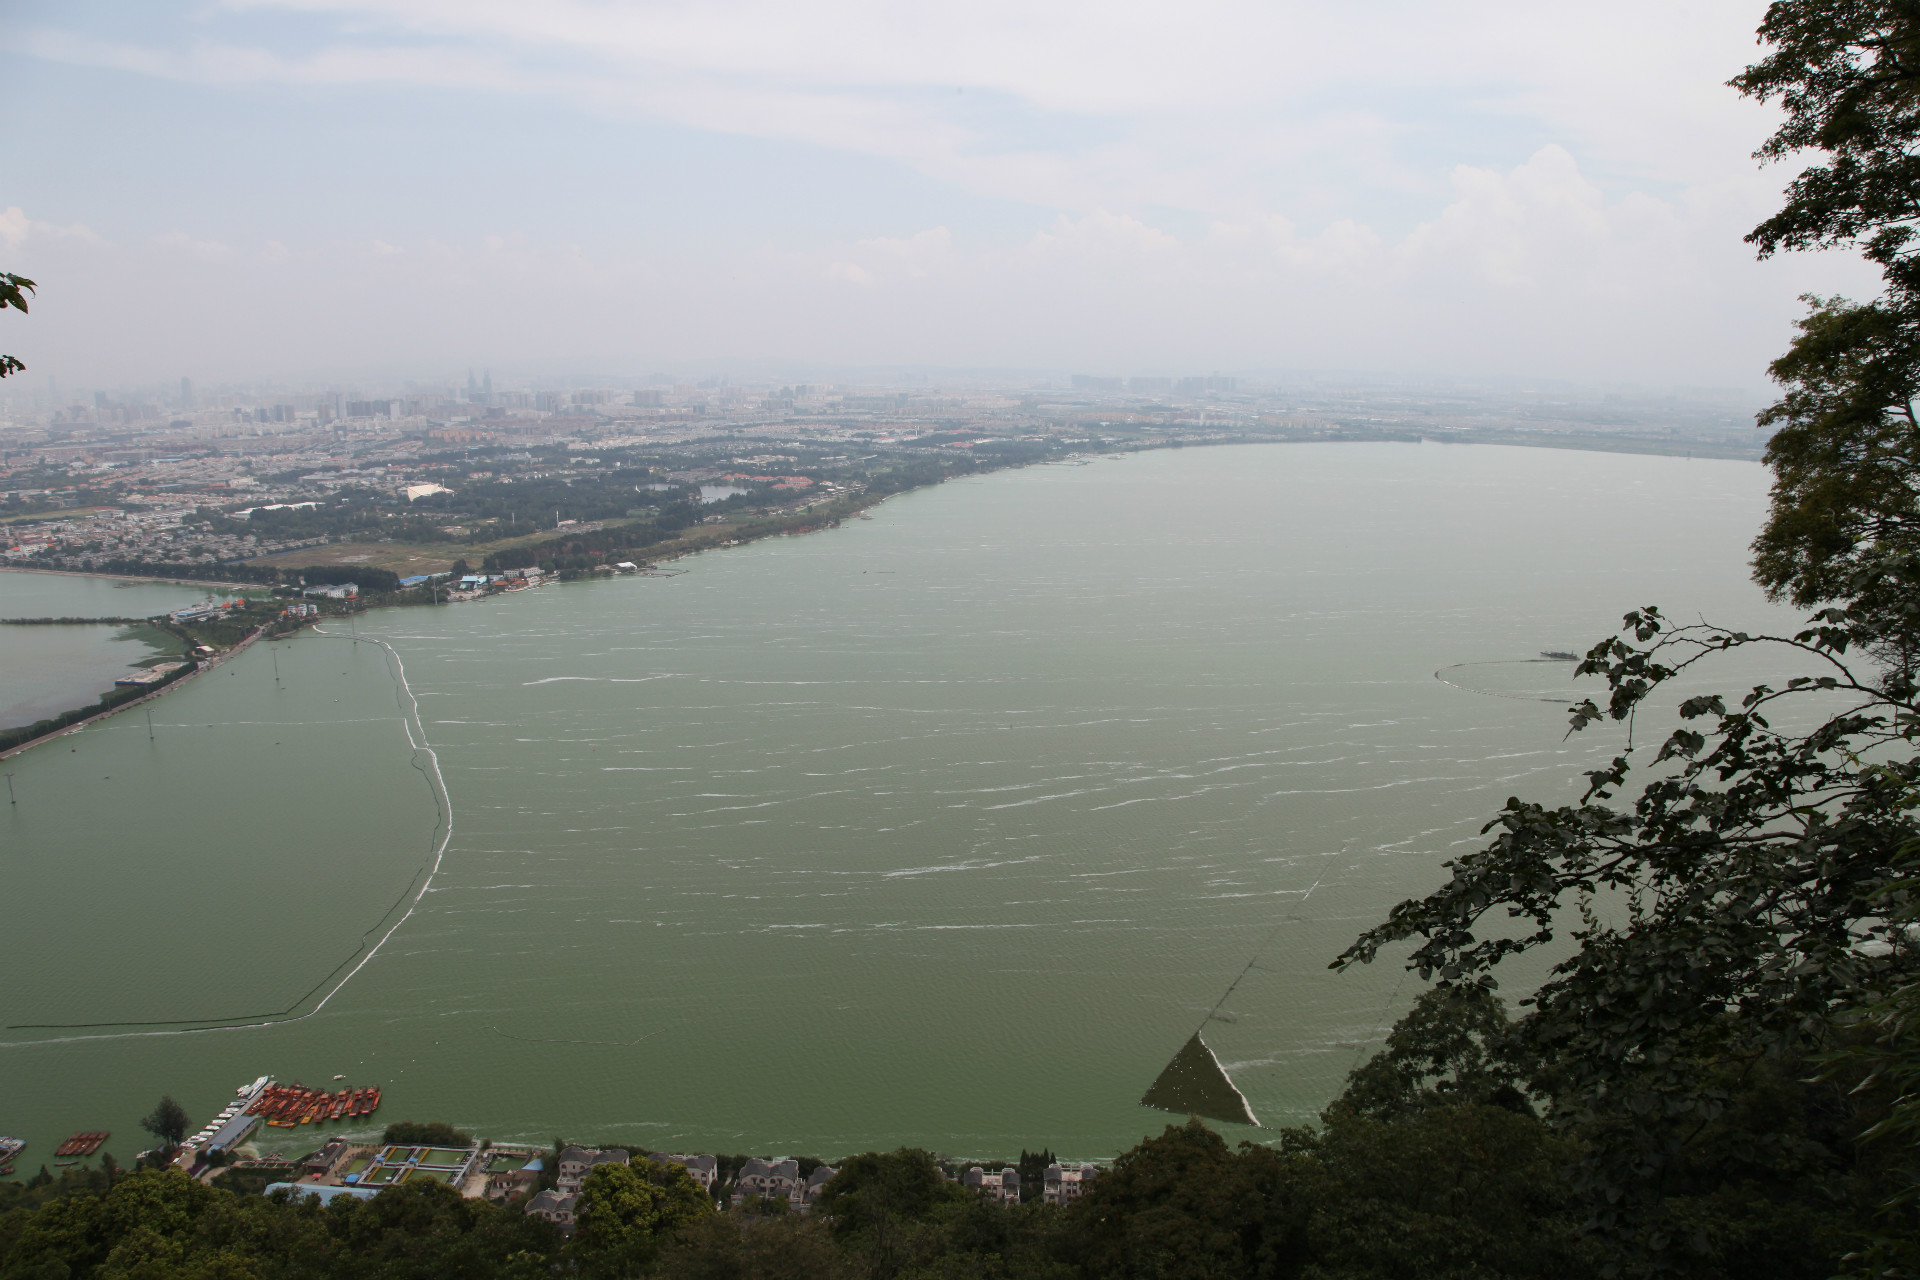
(13, 293)
(168, 1122)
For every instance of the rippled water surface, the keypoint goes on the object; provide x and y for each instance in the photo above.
(945, 828)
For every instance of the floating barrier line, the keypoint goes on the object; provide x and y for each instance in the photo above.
(442, 800)
(443, 805)
(231, 1017)
(1253, 962)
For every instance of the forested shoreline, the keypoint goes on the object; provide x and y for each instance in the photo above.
(1433, 1162)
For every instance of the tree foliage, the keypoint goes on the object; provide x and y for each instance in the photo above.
(879, 1187)
(1847, 74)
(165, 1225)
(1453, 1046)
(437, 1133)
(1185, 1203)
(13, 293)
(626, 1212)
(1722, 922)
(168, 1122)
(1845, 518)
(1844, 527)
(1731, 903)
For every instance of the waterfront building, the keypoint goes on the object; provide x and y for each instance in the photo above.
(1003, 1186)
(556, 1207)
(1066, 1183)
(508, 1183)
(765, 1179)
(577, 1162)
(702, 1169)
(503, 1181)
(324, 1162)
(807, 1194)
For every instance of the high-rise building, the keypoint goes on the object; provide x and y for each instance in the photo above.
(186, 393)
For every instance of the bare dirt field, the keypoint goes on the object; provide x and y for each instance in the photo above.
(403, 558)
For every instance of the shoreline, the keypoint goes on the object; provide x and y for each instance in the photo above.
(142, 700)
(727, 537)
(718, 540)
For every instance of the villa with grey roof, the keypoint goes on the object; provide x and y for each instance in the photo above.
(766, 1179)
(556, 1207)
(702, 1169)
(577, 1162)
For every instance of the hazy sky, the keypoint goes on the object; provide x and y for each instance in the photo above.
(235, 188)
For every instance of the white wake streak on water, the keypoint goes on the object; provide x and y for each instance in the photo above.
(528, 684)
(974, 865)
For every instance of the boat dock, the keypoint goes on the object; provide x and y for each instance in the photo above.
(232, 1126)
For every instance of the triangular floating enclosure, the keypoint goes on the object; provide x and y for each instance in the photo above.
(1194, 1084)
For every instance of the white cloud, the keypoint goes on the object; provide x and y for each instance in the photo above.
(1530, 269)
(914, 257)
(1508, 229)
(1215, 105)
(17, 229)
(1484, 186)
(201, 250)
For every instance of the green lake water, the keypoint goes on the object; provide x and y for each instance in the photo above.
(945, 828)
(54, 669)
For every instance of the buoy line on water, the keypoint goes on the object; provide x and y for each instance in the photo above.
(443, 827)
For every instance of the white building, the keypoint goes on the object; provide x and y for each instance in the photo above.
(1003, 1186)
(1066, 1183)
